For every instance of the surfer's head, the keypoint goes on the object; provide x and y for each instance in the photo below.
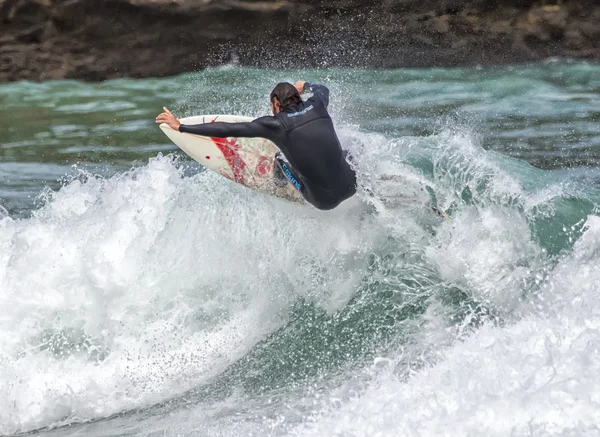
(284, 95)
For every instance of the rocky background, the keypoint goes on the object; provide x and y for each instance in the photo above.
(102, 39)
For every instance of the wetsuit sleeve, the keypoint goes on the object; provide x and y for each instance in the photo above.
(319, 91)
(261, 127)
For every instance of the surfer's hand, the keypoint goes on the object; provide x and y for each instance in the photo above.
(168, 118)
(299, 85)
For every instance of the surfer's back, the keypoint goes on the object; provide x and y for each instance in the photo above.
(309, 142)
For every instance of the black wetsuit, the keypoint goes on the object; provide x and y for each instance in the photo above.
(305, 135)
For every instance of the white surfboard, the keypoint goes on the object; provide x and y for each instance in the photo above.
(247, 161)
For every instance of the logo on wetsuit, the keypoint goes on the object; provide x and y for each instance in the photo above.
(291, 177)
(304, 111)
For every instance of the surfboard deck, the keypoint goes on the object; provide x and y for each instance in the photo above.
(246, 161)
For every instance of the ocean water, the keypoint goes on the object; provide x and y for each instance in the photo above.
(143, 296)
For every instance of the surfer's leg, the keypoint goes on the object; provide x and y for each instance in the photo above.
(280, 178)
(284, 172)
(284, 168)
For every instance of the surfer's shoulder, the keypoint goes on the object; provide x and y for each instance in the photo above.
(269, 122)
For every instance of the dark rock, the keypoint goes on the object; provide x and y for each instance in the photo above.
(442, 23)
(101, 39)
(24, 13)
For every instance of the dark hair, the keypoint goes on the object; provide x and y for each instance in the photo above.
(287, 94)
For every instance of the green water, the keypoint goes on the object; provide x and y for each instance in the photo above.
(546, 115)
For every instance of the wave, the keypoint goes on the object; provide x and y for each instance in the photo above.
(162, 287)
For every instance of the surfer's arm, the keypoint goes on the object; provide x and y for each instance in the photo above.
(320, 91)
(250, 129)
(264, 127)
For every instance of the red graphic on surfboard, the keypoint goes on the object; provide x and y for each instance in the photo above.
(264, 165)
(230, 149)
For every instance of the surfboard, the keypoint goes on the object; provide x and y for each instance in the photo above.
(246, 161)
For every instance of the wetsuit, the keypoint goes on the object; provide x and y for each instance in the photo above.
(316, 163)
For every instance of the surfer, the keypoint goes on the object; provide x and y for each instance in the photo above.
(314, 161)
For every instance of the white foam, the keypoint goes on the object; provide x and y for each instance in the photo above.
(536, 376)
(490, 253)
(126, 291)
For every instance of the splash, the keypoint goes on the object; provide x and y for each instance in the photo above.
(129, 290)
